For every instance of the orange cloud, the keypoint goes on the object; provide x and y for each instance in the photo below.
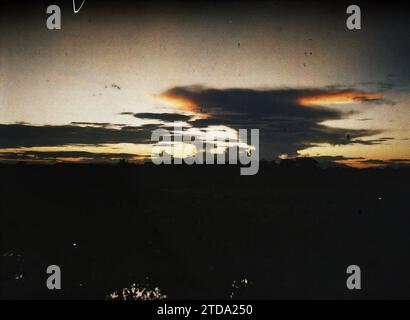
(339, 98)
(178, 102)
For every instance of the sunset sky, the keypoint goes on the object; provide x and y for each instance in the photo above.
(95, 90)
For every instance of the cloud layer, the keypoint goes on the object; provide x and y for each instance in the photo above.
(286, 122)
(286, 125)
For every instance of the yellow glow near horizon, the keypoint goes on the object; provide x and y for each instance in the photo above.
(139, 150)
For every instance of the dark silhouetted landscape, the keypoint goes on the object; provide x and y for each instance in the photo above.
(204, 232)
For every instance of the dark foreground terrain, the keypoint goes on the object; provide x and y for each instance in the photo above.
(204, 232)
